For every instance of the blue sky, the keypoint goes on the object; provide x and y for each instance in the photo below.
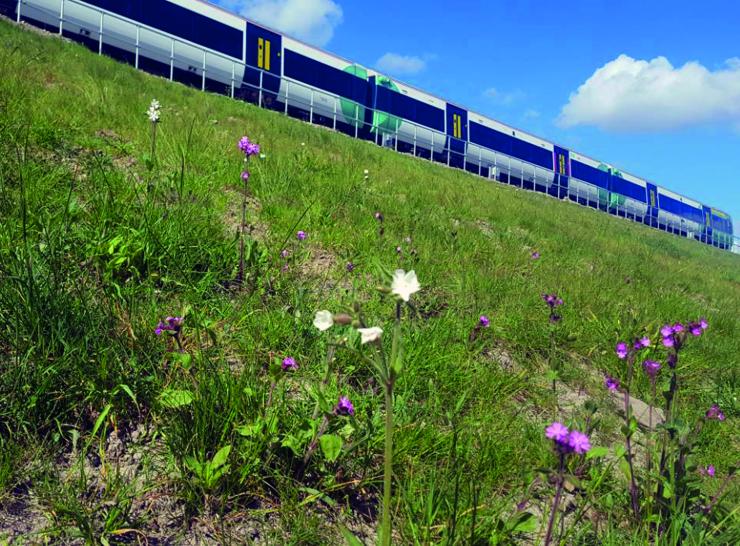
(649, 86)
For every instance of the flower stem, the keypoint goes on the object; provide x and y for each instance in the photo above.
(555, 501)
(388, 468)
(634, 493)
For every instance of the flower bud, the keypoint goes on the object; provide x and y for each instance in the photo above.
(343, 319)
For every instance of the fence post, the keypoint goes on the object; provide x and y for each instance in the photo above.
(287, 92)
(203, 81)
(18, 12)
(310, 109)
(334, 126)
(357, 120)
(136, 60)
(172, 61)
(61, 18)
(100, 34)
(260, 90)
(233, 71)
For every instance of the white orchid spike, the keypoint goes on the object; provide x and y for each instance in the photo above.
(323, 320)
(370, 334)
(153, 112)
(404, 284)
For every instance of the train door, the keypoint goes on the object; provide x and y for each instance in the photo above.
(707, 232)
(264, 66)
(652, 205)
(561, 166)
(457, 136)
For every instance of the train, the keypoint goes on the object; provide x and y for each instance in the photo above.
(203, 45)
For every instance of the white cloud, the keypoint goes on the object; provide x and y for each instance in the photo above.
(393, 63)
(313, 21)
(505, 98)
(630, 95)
(531, 113)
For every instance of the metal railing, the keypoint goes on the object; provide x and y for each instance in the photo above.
(194, 64)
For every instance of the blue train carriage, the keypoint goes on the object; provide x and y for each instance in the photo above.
(627, 195)
(324, 89)
(720, 224)
(679, 214)
(208, 53)
(511, 156)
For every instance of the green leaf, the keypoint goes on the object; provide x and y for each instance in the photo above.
(127, 390)
(221, 456)
(524, 522)
(624, 467)
(596, 452)
(331, 446)
(351, 539)
(100, 419)
(250, 431)
(174, 398)
(667, 490)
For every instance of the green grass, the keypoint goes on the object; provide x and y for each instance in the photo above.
(95, 248)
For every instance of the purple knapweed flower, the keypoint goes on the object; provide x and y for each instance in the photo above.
(284, 253)
(552, 300)
(611, 383)
(350, 267)
(642, 343)
(243, 144)
(715, 413)
(289, 363)
(301, 235)
(703, 323)
(651, 368)
(245, 175)
(666, 330)
(578, 442)
(344, 407)
(621, 350)
(484, 321)
(535, 255)
(557, 432)
(669, 341)
(252, 149)
(678, 328)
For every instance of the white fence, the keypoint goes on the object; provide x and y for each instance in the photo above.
(179, 60)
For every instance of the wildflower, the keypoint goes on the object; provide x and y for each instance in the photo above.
(398, 250)
(535, 255)
(323, 320)
(301, 235)
(289, 363)
(245, 175)
(578, 442)
(557, 432)
(262, 156)
(669, 341)
(366, 173)
(715, 413)
(243, 144)
(484, 321)
(247, 147)
(666, 330)
(344, 407)
(378, 216)
(407, 240)
(611, 383)
(170, 324)
(552, 300)
(369, 334)
(678, 328)
(284, 253)
(695, 329)
(710, 471)
(703, 323)
(621, 350)
(672, 360)
(404, 284)
(651, 368)
(153, 111)
(642, 343)
(350, 267)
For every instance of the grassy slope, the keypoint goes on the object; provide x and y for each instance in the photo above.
(473, 241)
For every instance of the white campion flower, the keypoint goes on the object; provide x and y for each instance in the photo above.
(404, 284)
(153, 112)
(370, 334)
(323, 320)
